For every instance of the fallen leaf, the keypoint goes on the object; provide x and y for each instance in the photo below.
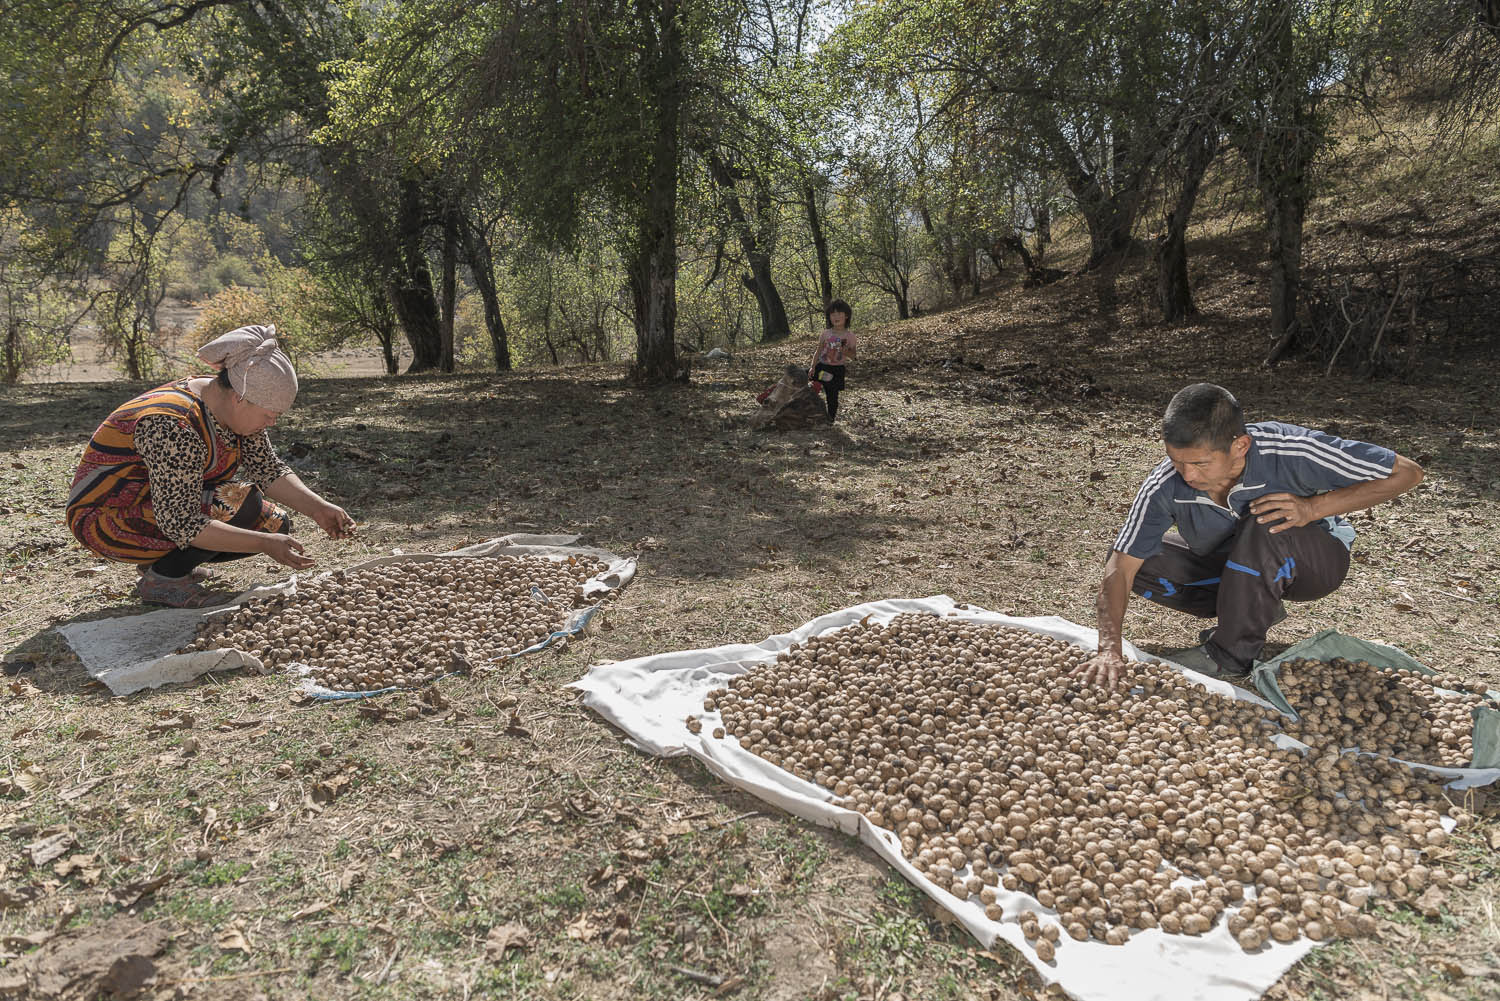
(16, 897)
(73, 792)
(85, 867)
(45, 850)
(329, 789)
(175, 721)
(312, 909)
(678, 827)
(130, 894)
(350, 878)
(583, 929)
(503, 938)
(27, 780)
(1431, 902)
(243, 724)
(232, 939)
(514, 728)
(69, 912)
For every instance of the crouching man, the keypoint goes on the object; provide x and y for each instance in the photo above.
(1256, 509)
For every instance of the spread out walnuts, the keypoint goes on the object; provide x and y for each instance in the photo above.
(1397, 713)
(406, 623)
(1162, 807)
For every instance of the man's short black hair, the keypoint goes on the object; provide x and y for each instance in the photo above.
(1205, 416)
(839, 306)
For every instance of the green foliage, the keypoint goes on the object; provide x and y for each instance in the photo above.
(234, 307)
(336, 155)
(36, 311)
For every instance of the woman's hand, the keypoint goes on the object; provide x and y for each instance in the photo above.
(286, 550)
(335, 521)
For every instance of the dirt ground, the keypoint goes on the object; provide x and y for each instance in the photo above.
(506, 843)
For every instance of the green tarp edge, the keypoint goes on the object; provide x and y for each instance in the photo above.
(1330, 644)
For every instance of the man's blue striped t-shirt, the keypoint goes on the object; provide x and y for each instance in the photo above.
(1283, 458)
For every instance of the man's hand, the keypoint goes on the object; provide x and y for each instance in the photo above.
(335, 521)
(1105, 668)
(287, 551)
(1283, 511)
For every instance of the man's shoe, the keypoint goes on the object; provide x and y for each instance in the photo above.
(1197, 658)
(1205, 634)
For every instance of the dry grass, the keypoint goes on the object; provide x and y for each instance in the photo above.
(377, 865)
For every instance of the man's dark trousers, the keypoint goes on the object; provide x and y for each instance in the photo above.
(1244, 583)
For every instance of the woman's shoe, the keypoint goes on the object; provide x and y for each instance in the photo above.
(177, 592)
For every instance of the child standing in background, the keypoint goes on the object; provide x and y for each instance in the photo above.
(836, 348)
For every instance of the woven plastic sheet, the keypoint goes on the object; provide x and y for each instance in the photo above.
(1331, 644)
(650, 698)
(135, 652)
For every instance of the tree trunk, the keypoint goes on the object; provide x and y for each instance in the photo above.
(482, 267)
(388, 351)
(1284, 216)
(450, 286)
(1043, 232)
(1280, 149)
(820, 244)
(774, 325)
(1173, 293)
(653, 269)
(1016, 243)
(1110, 213)
(13, 361)
(547, 328)
(410, 290)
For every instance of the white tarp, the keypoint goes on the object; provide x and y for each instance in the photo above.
(650, 699)
(134, 652)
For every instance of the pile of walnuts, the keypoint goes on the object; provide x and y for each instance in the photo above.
(1396, 713)
(995, 768)
(407, 623)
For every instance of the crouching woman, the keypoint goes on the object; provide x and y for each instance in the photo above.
(184, 475)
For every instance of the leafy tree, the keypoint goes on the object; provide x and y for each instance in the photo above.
(884, 233)
(37, 312)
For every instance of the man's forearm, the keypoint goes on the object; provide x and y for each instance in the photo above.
(1114, 594)
(1405, 474)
